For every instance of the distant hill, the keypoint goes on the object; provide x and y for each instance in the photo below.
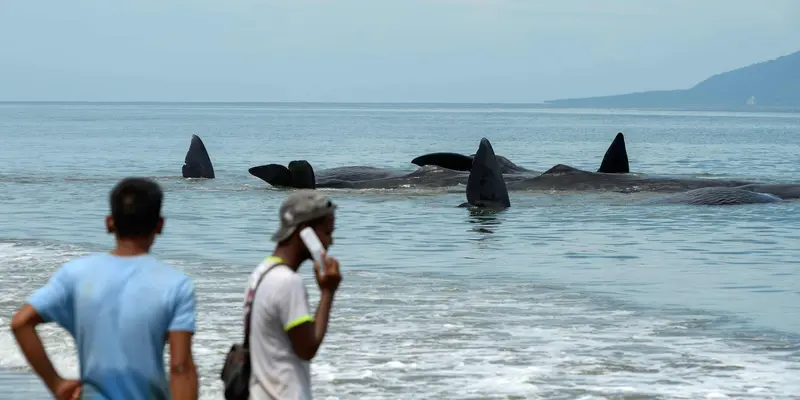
(774, 83)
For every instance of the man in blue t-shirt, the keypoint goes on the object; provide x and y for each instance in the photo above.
(120, 307)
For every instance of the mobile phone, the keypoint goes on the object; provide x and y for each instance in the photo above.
(314, 246)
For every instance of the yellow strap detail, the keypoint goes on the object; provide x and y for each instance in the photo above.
(298, 321)
(276, 260)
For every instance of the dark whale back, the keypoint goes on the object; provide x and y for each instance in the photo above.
(785, 191)
(485, 185)
(715, 196)
(507, 166)
(197, 163)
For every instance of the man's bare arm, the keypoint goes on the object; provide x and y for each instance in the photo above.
(183, 372)
(23, 324)
(307, 337)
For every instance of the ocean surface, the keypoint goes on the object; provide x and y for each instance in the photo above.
(562, 296)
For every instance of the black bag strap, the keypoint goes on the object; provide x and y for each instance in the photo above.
(249, 314)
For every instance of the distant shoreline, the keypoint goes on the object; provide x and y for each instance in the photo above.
(774, 83)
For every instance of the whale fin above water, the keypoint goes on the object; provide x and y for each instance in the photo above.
(275, 174)
(197, 163)
(297, 175)
(302, 174)
(454, 161)
(463, 163)
(485, 185)
(615, 161)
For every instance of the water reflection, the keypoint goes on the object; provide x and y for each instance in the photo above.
(485, 220)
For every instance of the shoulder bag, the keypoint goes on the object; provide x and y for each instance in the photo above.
(236, 370)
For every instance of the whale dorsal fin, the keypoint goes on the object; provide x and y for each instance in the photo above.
(302, 174)
(615, 160)
(197, 163)
(485, 185)
(454, 161)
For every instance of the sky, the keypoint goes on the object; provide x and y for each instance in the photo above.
(484, 51)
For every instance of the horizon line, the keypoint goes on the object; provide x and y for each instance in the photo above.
(261, 102)
(541, 105)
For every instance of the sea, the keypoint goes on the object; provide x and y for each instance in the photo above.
(562, 296)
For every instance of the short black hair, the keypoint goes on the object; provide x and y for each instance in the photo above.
(136, 207)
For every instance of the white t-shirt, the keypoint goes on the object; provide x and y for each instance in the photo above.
(280, 303)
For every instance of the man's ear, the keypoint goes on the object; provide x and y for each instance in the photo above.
(110, 228)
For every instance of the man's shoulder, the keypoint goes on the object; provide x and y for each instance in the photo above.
(82, 264)
(168, 275)
(278, 277)
(86, 259)
(281, 274)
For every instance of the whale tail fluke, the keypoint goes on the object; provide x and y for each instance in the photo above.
(302, 174)
(197, 163)
(275, 174)
(454, 161)
(615, 161)
(298, 175)
(486, 187)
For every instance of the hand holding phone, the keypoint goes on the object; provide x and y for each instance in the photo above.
(326, 268)
(314, 247)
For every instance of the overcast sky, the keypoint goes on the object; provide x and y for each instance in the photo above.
(378, 50)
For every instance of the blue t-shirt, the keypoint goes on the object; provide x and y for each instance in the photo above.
(119, 310)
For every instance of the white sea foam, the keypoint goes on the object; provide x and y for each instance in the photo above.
(427, 337)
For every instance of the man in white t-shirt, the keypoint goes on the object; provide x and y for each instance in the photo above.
(284, 335)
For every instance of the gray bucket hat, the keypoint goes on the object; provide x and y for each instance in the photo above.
(301, 206)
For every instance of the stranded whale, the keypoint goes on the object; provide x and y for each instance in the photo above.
(615, 161)
(715, 196)
(438, 170)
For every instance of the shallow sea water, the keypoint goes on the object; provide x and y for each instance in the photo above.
(563, 296)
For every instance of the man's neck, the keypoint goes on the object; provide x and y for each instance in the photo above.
(291, 258)
(131, 247)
